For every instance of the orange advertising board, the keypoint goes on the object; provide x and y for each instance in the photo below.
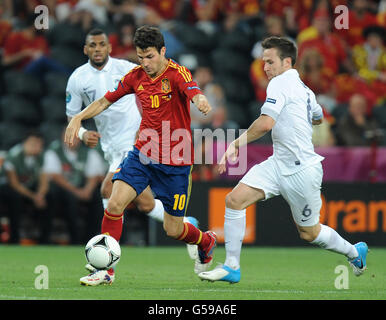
(217, 212)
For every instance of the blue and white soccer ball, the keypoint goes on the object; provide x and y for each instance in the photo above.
(103, 252)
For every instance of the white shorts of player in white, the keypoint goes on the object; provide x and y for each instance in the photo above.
(115, 158)
(301, 190)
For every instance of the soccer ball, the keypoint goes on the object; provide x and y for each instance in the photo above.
(103, 252)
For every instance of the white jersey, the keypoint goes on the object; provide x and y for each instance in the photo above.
(293, 106)
(120, 122)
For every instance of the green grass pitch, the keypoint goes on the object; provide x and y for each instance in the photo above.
(163, 273)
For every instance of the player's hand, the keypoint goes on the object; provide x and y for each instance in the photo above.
(91, 138)
(202, 103)
(72, 131)
(204, 107)
(230, 154)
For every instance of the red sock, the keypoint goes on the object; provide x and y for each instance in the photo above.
(193, 235)
(112, 225)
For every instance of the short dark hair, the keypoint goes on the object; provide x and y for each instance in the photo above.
(146, 37)
(285, 47)
(95, 32)
(36, 133)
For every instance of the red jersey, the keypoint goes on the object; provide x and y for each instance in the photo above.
(165, 135)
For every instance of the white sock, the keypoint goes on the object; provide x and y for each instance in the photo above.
(105, 202)
(234, 231)
(329, 239)
(158, 211)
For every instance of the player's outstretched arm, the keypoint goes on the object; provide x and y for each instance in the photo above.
(257, 129)
(202, 104)
(89, 137)
(91, 111)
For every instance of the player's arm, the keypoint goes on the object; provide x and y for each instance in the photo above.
(89, 137)
(16, 185)
(257, 129)
(74, 103)
(91, 111)
(202, 104)
(317, 114)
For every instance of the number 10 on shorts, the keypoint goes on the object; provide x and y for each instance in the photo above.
(179, 201)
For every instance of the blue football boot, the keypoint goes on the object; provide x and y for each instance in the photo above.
(358, 264)
(221, 273)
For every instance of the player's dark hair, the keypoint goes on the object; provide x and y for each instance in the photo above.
(285, 47)
(146, 37)
(95, 32)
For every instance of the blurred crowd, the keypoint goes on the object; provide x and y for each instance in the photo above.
(341, 57)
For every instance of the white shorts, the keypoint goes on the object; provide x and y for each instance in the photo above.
(115, 158)
(301, 190)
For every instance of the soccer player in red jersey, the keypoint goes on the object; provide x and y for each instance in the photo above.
(163, 153)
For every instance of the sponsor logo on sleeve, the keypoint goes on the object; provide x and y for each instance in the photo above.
(270, 100)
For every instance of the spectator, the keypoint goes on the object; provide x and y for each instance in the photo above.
(322, 135)
(320, 37)
(289, 11)
(29, 186)
(355, 128)
(370, 60)
(96, 8)
(75, 174)
(214, 92)
(122, 40)
(5, 28)
(205, 15)
(119, 8)
(359, 18)
(5, 208)
(166, 9)
(24, 46)
(307, 17)
(63, 9)
(313, 74)
(236, 13)
(28, 50)
(217, 118)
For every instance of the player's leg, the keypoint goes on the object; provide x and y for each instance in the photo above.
(130, 179)
(176, 228)
(172, 184)
(121, 196)
(146, 203)
(154, 208)
(302, 192)
(106, 188)
(236, 202)
(258, 184)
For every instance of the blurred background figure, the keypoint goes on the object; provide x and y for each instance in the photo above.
(360, 17)
(218, 117)
(370, 60)
(5, 206)
(122, 39)
(24, 46)
(28, 191)
(76, 174)
(355, 126)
